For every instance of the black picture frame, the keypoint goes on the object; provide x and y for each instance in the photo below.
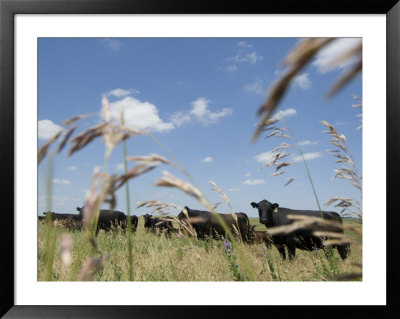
(8, 9)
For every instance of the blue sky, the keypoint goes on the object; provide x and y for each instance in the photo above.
(199, 97)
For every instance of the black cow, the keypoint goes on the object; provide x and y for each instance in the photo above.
(56, 216)
(155, 223)
(260, 236)
(107, 219)
(271, 215)
(134, 222)
(207, 224)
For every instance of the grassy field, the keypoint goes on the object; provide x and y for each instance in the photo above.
(161, 258)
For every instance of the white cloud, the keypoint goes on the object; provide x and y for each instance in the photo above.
(97, 168)
(47, 129)
(204, 115)
(244, 44)
(250, 58)
(180, 117)
(284, 113)
(255, 87)
(120, 167)
(139, 115)
(264, 157)
(114, 44)
(61, 181)
(121, 92)
(201, 112)
(307, 142)
(302, 81)
(247, 174)
(328, 54)
(233, 190)
(253, 181)
(307, 156)
(72, 168)
(231, 68)
(208, 159)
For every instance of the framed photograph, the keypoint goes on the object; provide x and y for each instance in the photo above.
(134, 121)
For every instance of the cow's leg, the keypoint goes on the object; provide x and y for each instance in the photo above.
(281, 250)
(343, 250)
(291, 250)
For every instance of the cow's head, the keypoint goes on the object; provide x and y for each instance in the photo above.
(80, 210)
(265, 209)
(147, 220)
(184, 214)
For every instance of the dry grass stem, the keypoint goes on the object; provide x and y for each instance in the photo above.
(221, 194)
(217, 204)
(43, 150)
(91, 267)
(346, 78)
(296, 60)
(169, 180)
(306, 222)
(66, 250)
(278, 173)
(154, 159)
(289, 180)
(132, 173)
(77, 118)
(91, 198)
(158, 205)
(282, 146)
(349, 173)
(65, 139)
(83, 139)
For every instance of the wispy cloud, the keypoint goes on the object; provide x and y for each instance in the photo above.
(307, 142)
(250, 58)
(47, 129)
(208, 159)
(255, 87)
(231, 68)
(181, 117)
(307, 156)
(61, 181)
(121, 92)
(244, 44)
(302, 81)
(233, 190)
(285, 113)
(113, 43)
(200, 111)
(247, 174)
(120, 167)
(253, 181)
(325, 57)
(72, 168)
(139, 115)
(265, 157)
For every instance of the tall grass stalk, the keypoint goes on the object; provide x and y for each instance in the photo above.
(128, 208)
(306, 167)
(50, 241)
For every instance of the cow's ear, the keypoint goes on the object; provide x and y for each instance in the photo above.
(254, 205)
(275, 207)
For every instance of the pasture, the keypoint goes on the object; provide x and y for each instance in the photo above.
(179, 258)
